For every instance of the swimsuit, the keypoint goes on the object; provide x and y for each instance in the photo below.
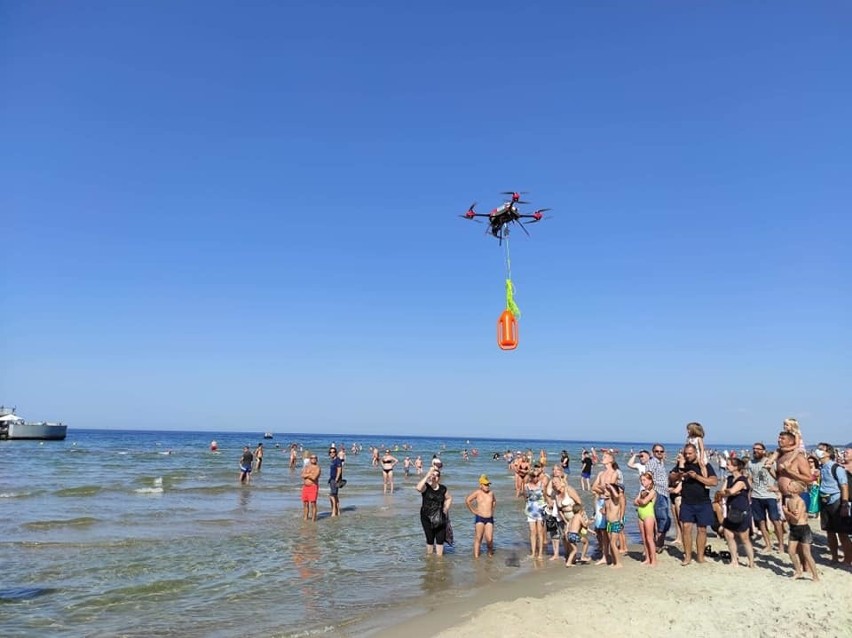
(535, 504)
(615, 527)
(482, 519)
(646, 510)
(574, 537)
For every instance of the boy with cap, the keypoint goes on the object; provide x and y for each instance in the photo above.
(483, 512)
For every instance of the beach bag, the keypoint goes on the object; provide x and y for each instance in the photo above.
(436, 519)
(550, 522)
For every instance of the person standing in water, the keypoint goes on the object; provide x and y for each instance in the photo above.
(481, 504)
(246, 462)
(388, 463)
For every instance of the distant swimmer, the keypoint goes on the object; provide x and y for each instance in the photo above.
(214, 447)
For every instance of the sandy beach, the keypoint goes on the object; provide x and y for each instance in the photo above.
(702, 599)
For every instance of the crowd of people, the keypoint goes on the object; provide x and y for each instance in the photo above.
(743, 496)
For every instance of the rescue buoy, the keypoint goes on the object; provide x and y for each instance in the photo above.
(507, 331)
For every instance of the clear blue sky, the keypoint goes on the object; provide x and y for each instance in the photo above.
(243, 216)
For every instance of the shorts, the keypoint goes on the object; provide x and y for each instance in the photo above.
(586, 475)
(332, 487)
(700, 514)
(763, 507)
(244, 469)
(801, 534)
(310, 493)
(574, 537)
(482, 519)
(830, 519)
(615, 527)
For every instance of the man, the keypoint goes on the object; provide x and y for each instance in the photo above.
(310, 488)
(586, 471)
(662, 506)
(335, 474)
(696, 510)
(764, 496)
(835, 517)
(246, 462)
(483, 513)
(607, 476)
(640, 465)
(258, 457)
(790, 463)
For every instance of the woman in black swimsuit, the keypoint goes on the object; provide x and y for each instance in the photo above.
(388, 462)
(434, 510)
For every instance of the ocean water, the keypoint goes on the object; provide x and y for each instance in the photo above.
(143, 533)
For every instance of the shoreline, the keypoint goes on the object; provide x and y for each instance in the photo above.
(669, 599)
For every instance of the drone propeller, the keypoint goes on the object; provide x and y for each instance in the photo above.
(515, 192)
(470, 214)
(537, 216)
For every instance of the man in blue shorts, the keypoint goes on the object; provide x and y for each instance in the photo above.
(335, 474)
(696, 510)
(764, 496)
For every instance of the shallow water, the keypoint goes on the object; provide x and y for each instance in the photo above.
(128, 533)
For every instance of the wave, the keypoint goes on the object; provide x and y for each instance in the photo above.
(81, 490)
(83, 521)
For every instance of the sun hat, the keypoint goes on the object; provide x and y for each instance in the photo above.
(483, 480)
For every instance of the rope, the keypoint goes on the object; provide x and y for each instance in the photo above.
(511, 306)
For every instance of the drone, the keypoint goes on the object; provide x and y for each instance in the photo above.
(507, 213)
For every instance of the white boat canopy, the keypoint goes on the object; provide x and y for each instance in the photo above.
(11, 417)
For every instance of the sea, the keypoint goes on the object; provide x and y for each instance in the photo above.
(149, 533)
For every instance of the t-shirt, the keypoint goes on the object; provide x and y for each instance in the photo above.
(247, 459)
(830, 481)
(335, 463)
(761, 480)
(587, 466)
(695, 492)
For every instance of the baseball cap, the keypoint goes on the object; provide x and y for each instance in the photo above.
(483, 480)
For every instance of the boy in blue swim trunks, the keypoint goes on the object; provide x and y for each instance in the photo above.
(614, 525)
(482, 504)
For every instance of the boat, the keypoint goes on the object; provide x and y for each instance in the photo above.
(13, 427)
(267, 435)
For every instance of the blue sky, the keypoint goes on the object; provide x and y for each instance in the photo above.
(243, 216)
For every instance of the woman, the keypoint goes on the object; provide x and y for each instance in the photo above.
(434, 510)
(737, 523)
(564, 499)
(534, 491)
(813, 491)
(388, 461)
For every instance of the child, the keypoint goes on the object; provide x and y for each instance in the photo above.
(614, 525)
(800, 531)
(483, 522)
(647, 521)
(695, 435)
(791, 425)
(576, 525)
